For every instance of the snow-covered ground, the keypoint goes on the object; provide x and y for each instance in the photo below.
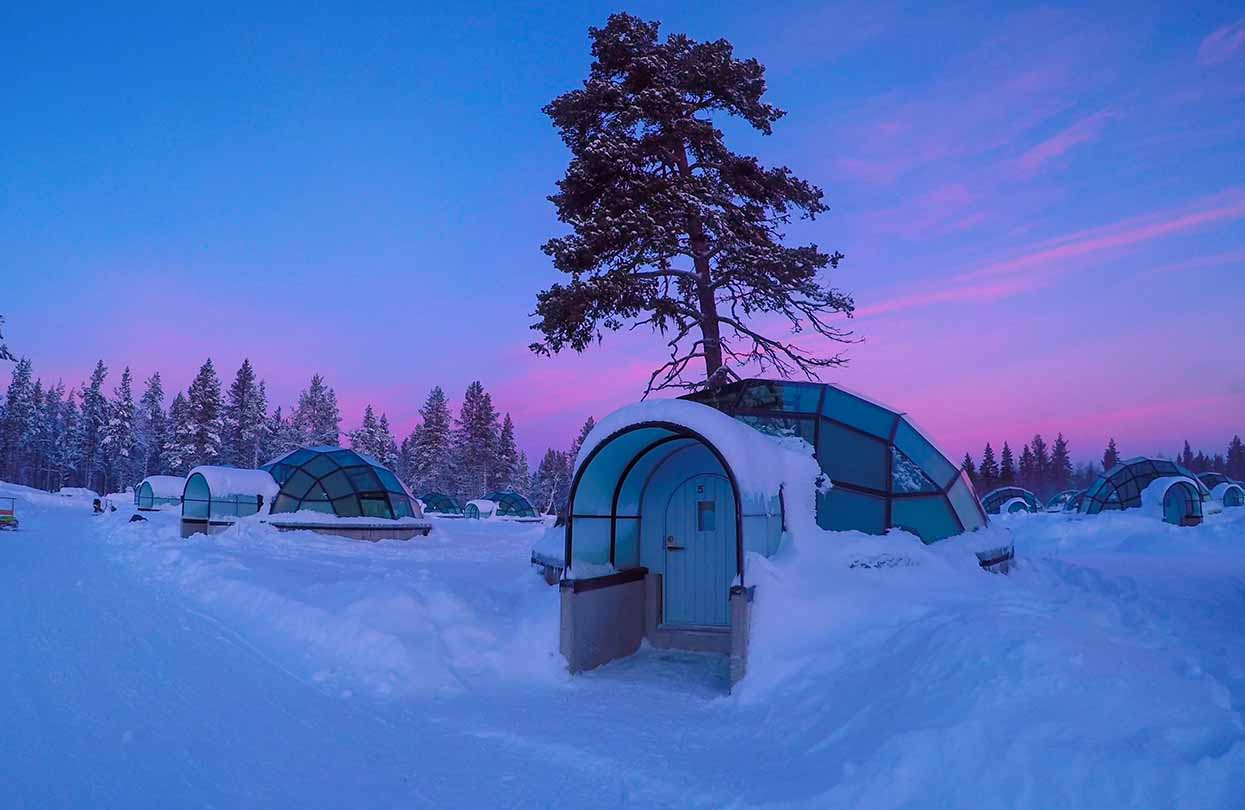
(266, 669)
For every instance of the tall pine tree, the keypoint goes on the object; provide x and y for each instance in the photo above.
(206, 414)
(1060, 464)
(119, 439)
(475, 443)
(1007, 467)
(317, 416)
(672, 229)
(93, 423)
(179, 445)
(152, 426)
(431, 447)
(1110, 457)
(244, 419)
(989, 470)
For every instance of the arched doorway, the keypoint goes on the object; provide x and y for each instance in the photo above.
(1182, 505)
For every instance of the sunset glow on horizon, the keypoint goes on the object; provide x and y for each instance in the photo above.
(1042, 209)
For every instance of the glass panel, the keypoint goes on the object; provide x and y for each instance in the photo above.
(364, 479)
(346, 458)
(907, 477)
(929, 517)
(318, 506)
(285, 503)
(297, 457)
(777, 425)
(316, 493)
(401, 506)
(842, 510)
(962, 501)
(346, 507)
(320, 466)
(337, 485)
(376, 507)
(298, 484)
(781, 396)
(389, 481)
(848, 456)
(859, 413)
(918, 448)
(706, 516)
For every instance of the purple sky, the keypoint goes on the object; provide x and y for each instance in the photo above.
(1043, 208)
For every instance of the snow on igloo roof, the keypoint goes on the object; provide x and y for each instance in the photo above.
(165, 486)
(234, 481)
(761, 463)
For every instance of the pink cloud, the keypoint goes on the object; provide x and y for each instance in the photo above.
(1222, 45)
(1084, 131)
(1047, 260)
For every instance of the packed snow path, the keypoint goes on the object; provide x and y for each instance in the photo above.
(262, 670)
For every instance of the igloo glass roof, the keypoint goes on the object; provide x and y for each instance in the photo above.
(885, 472)
(511, 504)
(993, 501)
(439, 503)
(1122, 485)
(337, 481)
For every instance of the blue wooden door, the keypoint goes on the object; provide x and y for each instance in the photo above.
(1174, 505)
(700, 553)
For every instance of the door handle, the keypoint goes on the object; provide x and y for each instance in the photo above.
(670, 544)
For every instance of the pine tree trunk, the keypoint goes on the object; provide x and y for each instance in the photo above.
(710, 329)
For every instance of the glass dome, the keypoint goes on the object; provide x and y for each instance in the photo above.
(511, 504)
(1122, 485)
(886, 473)
(1059, 501)
(994, 501)
(438, 504)
(338, 482)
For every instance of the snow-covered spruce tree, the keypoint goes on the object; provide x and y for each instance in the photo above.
(17, 431)
(506, 460)
(1060, 464)
(475, 443)
(51, 424)
(549, 481)
(366, 439)
(522, 482)
(584, 430)
(1110, 456)
(245, 416)
(673, 230)
(152, 426)
(386, 445)
(281, 435)
(179, 448)
(5, 354)
(205, 407)
(431, 448)
(1235, 459)
(69, 454)
(119, 438)
(317, 416)
(94, 421)
(1007, 467)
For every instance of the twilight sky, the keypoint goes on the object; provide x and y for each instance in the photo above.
(1043, 208)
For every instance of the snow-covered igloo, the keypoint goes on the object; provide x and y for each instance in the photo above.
(510, 505)
(158, 491)
(1009, 500)
(215, 497)
(1223, 489)
(1060, 500)
(668, 498)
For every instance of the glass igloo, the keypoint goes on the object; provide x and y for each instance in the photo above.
(885, 472)
(340, 482)
(1121, 486)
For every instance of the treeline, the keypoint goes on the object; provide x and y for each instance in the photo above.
(1046, 470)
(52, 437)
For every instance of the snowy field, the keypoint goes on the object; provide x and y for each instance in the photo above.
(259, 669)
